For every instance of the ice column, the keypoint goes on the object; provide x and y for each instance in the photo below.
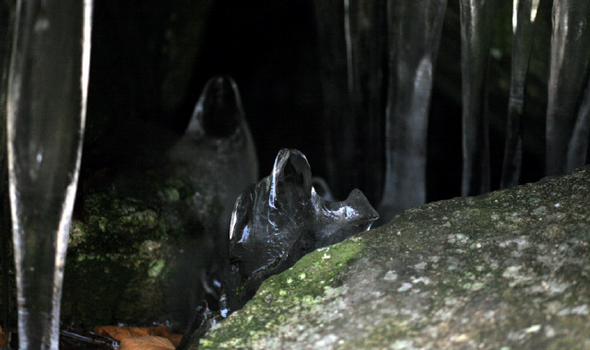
(352, 42)
(46, 111)
(525, 12)
(570, 53)
(477, 18)
(414, 34)
(7, 9)
(578, 145)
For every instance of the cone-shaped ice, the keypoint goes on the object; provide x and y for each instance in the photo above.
(218, 126)
(525, 13)
(216, 152)
(276, 222)
(282, 218)
(219, 111)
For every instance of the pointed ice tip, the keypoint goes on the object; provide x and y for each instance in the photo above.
(219, 111)
(357, 199)
(344, 219)
(290, 169)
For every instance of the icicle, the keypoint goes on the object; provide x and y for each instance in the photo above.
(351, 42)
(578, 146)
(523, 25)
(7, 15)
(414, 33)
(477, 17)
(570, 52)
(367, 29)
(340, 122)
(46, 112)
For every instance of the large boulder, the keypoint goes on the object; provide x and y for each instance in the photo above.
(507, 270)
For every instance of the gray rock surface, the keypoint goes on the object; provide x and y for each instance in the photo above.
(508, 270)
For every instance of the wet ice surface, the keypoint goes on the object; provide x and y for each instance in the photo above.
(477, 19)
(569, 66)
(410, 86)
(274, 223)
(44, 133)
(523, 25)
(282, 218)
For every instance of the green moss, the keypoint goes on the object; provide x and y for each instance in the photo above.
(316, 274)
(503, 271)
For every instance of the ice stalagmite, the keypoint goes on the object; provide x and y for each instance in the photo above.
(276, 222)
(46, 112)
(523, 31)
(282, 218)
(414, 34)
(219, 123)
(216, 152)
(568, 75)
(477, 18)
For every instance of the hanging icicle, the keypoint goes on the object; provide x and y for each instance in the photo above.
(525, 12)
(578, 145)
(570, 54)
(477, 18)
(414, 34)
(47, 92)
(352, 48)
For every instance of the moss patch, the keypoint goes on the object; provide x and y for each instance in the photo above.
(316, 274)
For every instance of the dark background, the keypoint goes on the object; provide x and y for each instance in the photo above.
(151, 59)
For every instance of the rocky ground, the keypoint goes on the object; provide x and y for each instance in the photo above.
(507, 270)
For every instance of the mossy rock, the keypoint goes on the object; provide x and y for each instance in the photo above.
(507, 270)
(126, 243)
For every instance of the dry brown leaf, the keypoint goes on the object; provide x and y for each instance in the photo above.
(121, 332)
(3, 339)
(146, 342)
(175, 338)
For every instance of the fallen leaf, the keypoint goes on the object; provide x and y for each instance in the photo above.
(146, 342)
(121, 332)
(3, 340)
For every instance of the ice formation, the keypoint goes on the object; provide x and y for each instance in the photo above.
(282, 218)
(217, 153)
(46, 112)
(275, 222)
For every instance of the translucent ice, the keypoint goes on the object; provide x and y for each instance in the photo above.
(275, 222)
(414, 32)
(524, 16)
(282, 218)
(569, 66)
(46, 106)
(352, 48)
(477, 18)
(578, 146)
(216, 152)
(219, 124)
